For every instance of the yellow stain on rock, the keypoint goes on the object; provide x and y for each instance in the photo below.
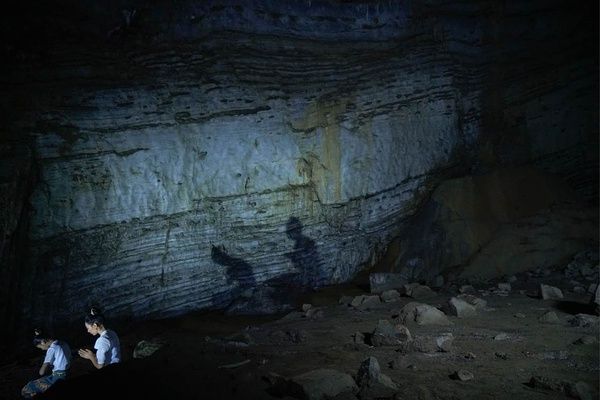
(325, 115)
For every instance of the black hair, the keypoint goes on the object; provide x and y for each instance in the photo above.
(39, 336)
(94, 317)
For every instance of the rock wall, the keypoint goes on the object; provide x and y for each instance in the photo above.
(181, 155)
(498, 224)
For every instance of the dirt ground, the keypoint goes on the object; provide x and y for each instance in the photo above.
(213, 356)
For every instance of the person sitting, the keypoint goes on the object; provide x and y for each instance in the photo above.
(108, 347)
(57, 360)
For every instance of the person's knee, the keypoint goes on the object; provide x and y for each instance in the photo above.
(26, 392)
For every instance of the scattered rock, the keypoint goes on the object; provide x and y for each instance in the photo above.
(461, 308)
(235, 340)
(501, 355)
(463, 375)
(368, 372)
(346, 300)
(549, 318)
(584, 320)
(386, 334)
(358, 337)
(373, 384)
(519, 315)
(390, 295)
(466, 289)
(578, 390)
(422, 314)
(418, 292)
(314, 313)
(381, 281)
(505, 287)
(501, 336)
(544, 383)
(553, 355)
(579, 289)
(476, 302)
(586, 340)
(291, 336)
(146, 348)
(320, 384)
(365, 302)
(550, 292)
(429, 344)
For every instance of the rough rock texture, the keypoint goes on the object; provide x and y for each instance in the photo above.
(501, 223)
(173, 158)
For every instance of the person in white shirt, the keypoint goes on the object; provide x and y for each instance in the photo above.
(108, 347)
(57, 360)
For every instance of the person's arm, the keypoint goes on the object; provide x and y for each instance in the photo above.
(87, 353)
(48, 361)
(45, 368)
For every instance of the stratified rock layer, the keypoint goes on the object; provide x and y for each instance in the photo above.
(177, 163)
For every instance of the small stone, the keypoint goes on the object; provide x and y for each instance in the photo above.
(306, 307)
(390, 295)
(501, 336)
(146, 348)
(461, 308)
(476, 302)
(553, 355)
(466, 289)
(470, 356)
(463, 375)
(314, 313)
(586, 340)
(501, 355)
(584, 320)
(505, 287)
(550, 292)
(358, 337)
(519, 315)
(549, 318)
(579, 289)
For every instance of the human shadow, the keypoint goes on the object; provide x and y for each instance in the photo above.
(238, 270)
(247, 296)
(304, 256)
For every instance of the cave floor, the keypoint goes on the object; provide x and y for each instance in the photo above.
(212, 356)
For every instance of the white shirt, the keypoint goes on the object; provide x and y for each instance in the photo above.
(108, 348)
(59, 355)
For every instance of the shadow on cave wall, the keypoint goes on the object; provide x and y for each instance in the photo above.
(304, 256)
(249, 297)
(278, 294)
(238, 270)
